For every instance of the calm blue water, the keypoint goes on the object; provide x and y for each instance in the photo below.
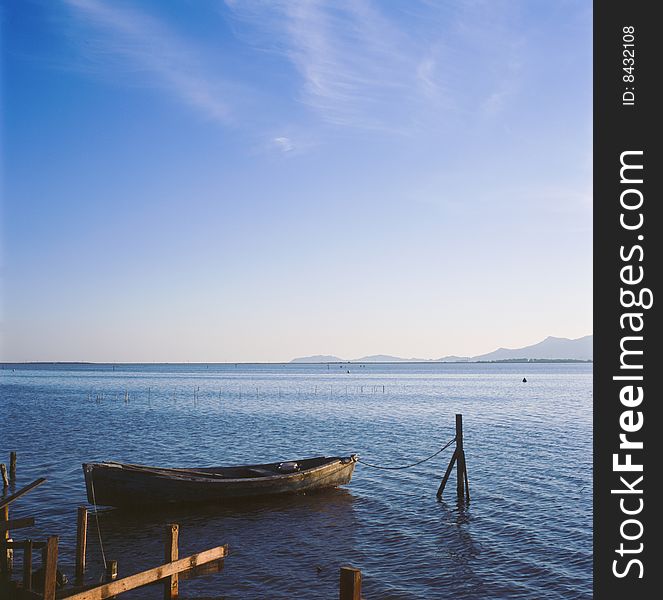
(526, 533)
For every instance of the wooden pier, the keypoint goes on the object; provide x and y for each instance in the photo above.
(49, 585)
(202, 563)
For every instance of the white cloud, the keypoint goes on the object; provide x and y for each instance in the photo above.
(284, 144)
(355, 66)
(359, 64)
(375, 66)
(145, 44)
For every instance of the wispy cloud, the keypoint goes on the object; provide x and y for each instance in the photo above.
(362, 65)
(284, 144)
(145, 44)
(351, 61)
(358, 63)
(289, 141)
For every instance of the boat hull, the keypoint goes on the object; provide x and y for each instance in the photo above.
(122, 485)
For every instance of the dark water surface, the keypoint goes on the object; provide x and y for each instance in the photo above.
(526, 533)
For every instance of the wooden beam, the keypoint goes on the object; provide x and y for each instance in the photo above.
(27, 565)
(350, 584)
(171, 584)
(460, 452)
(81, 542)
(12, 466)
(216, 566)
(20, 544)
(50, 567)
(467, 482)
(4, 519)
(4, 551)
(111, 573)
(151, 575)
(16, 523)
(24, 490)
(446, 475)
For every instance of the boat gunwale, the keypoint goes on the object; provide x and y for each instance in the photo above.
(181, 474)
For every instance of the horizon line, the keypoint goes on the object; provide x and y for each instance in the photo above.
(295, 362)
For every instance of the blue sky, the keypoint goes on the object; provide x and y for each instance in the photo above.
(253, 181)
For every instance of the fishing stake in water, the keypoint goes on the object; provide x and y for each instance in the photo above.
(462, 484)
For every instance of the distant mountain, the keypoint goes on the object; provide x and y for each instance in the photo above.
(380, 358)
(376, 358)
(552, 348)
(318, 358)
(454, 359)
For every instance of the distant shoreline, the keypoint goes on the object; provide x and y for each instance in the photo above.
(550, 350)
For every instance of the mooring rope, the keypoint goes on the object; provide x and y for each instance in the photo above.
(413, 464)
(96, 518)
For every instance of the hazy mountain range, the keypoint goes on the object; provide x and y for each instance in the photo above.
(552, 348)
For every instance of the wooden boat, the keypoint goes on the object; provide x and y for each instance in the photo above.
(117, 484)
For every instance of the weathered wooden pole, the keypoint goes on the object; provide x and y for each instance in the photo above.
(111, 574)
(7, 524)
(27, 565)
(3, 472)
(81, 543)
(111, 571)
(7, 500)
(4, 516)
(350, 584)
(12, 466)
(462, 484)
(458, 457)
(446, 476)
(50, 559)
(467, 485)
(171, 584)
(4, 538)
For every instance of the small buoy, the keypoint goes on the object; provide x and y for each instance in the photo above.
(524, 379)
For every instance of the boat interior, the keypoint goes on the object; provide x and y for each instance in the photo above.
(238, 472)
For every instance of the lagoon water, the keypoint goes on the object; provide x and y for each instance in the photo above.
(525, 534)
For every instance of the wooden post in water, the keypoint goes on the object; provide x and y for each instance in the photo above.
(111, 574)
(81, 543)
(50, 559)
(171, 584)
(462, 482)
(12, 466)
(3, 472)
(27, 565)
(460, 468)
(446, 476)
(350, 584)
(4, 537)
